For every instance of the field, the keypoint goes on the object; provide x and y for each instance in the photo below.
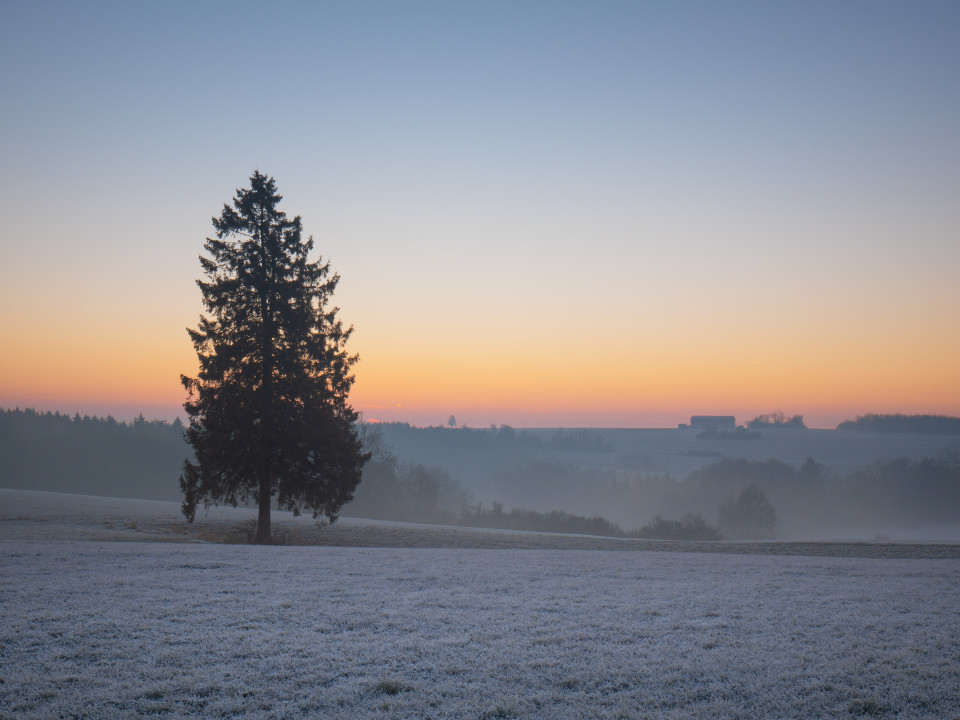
(95, 625)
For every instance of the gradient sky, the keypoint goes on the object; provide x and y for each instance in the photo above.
(543, 213)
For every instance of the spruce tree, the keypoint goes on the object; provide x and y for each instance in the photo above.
(268, 410)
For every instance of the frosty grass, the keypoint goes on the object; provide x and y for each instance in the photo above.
(144, 629)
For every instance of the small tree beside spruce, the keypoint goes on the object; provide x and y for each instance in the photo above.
(268, 410)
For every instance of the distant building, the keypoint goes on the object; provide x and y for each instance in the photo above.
(713, 422)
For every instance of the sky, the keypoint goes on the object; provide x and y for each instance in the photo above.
(544, 214)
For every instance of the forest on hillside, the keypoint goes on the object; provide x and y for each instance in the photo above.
(91, 455)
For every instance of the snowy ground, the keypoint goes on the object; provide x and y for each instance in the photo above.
(106, 629)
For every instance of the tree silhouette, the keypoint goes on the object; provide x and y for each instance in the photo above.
(268, 409)
(749, 517)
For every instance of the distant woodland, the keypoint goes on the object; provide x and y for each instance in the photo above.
(910, 424)
(560, 481)
(91, 455)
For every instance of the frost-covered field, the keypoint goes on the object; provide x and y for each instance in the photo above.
(128, 629)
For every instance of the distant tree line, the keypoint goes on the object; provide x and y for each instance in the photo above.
(915, 424)
(530, 520)
(689, 527)
(90, 455)
(777, 421)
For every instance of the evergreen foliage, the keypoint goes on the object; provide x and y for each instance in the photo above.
(268, 409)
(90, 455)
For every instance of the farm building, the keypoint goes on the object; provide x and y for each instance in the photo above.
(713, 422)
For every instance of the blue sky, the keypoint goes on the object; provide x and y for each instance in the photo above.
(563, 191)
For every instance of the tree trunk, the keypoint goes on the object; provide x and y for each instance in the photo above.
(263, 520)
(266, 412)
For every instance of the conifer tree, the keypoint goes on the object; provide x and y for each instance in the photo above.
(268, 410)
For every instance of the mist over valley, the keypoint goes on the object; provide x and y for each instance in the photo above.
(820, 484)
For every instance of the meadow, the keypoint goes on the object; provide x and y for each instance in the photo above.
(94, 624)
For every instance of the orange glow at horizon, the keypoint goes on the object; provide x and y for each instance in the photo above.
(546, 373)
(85, 363)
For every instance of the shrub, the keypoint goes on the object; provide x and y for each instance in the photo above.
(689, 527)
(389, 687)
